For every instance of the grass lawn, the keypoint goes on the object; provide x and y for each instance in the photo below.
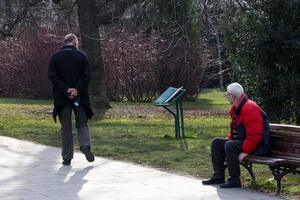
(143, 133)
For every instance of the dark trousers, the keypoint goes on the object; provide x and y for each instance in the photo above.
(65, 118)
(229, 150)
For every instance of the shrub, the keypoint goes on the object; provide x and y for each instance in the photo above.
(138, 66)
(182, 66)
(24, 66)
(130, 64)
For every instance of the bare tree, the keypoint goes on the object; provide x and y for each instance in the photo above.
(210, 12)
(91, 15)
(15, 12)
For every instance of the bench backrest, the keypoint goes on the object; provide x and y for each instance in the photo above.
(285, 141)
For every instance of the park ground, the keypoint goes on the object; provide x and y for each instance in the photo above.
(143, 133)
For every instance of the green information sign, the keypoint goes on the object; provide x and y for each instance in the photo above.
(169, 97)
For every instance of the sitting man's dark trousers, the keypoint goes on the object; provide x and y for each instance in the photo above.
(222, 149)
(69, 73)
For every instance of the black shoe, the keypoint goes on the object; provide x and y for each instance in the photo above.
(88, 154)
(232, 183)
(213, 180)
(66, 162)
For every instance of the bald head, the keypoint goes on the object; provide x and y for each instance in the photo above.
(71, 39)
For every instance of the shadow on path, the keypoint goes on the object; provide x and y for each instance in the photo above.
(32, 171)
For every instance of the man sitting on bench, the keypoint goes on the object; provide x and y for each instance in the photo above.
(243, 139)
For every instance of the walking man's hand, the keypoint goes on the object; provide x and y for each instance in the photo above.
(72, 93)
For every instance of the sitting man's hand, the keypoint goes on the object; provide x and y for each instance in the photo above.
(242, 156)
(72, 93)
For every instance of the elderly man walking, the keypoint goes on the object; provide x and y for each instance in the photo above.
(246, 132)
(69, 73)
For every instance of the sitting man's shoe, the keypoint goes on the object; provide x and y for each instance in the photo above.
(213, 180)
(232, 183)
(88, 154)
(66, 162)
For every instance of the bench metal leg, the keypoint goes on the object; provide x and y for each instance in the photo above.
(249, 168)
(278, 187)
(279, 171)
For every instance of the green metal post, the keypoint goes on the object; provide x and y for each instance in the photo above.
(177, 121)
(182, 123)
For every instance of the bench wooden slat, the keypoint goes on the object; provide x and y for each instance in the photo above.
(286, 133)
(264, 160)
(275, 136)
(284, 154)
(293, 140)
(284, 128)
(291, 160)
(285, 144)
(288, 152)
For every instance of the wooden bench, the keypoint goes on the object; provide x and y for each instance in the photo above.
(285, 153)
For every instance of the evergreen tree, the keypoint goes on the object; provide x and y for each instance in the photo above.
(263, 38)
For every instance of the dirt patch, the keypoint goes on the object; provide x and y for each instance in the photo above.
(144, 112)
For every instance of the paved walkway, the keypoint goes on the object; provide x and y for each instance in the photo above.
(34, 172)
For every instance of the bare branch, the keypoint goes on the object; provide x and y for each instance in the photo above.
(7, 29)
(102, 6)
(115, 14)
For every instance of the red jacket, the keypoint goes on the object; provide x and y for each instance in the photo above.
(250, 122)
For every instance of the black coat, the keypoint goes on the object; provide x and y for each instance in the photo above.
(69, 68)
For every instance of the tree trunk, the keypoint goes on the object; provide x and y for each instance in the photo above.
(91, 44)
(215, 29)
(221, 79)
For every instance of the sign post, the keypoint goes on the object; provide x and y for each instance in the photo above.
(169, 97)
